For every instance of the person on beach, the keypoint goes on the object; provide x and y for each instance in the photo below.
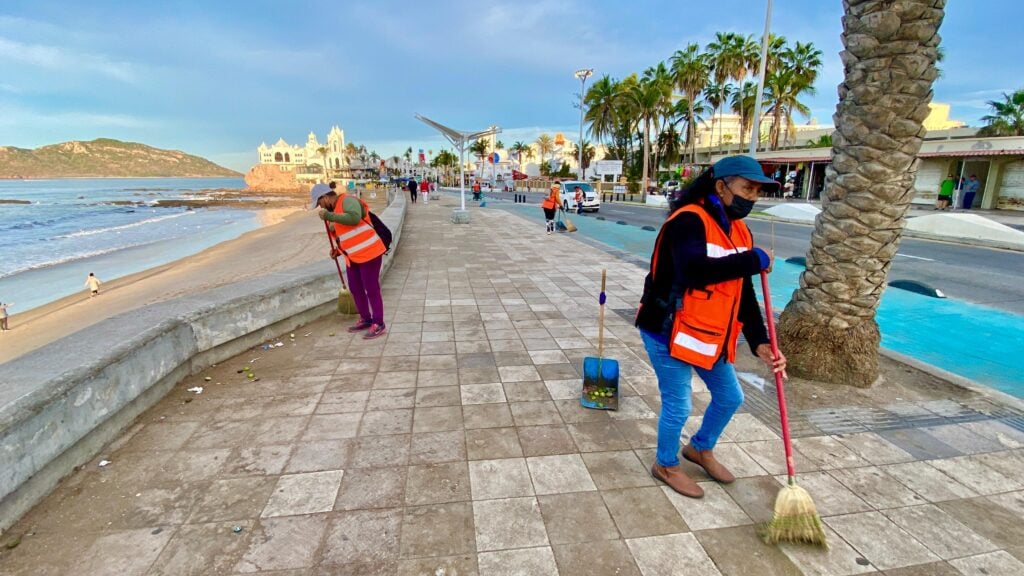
(550, 204)
(412, 189)
(4, 316)
(697, 298)
(355, 238)
(93, 284)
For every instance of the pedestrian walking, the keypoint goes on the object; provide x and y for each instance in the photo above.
(93, 284)
(412, 189)
(4, 315)
(477, 194)
(551, 203)
(424, 189)
(970, 191)
(363, 250)
(697, 298)
(578, 197)
(431, 190)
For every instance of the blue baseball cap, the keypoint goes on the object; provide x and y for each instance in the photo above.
(744, 166)
(317, 191)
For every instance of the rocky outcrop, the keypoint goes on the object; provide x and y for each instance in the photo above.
(271, 178)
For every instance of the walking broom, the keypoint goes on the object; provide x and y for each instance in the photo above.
(346, 304)
(795, 518)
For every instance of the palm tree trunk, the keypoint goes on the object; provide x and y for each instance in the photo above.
(689, 129)
(647, 153)
(829, 331)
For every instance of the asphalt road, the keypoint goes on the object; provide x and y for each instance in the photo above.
(980, 275)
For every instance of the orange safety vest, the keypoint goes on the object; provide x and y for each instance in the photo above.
(358, 243)
(707, 318)
(552, 201)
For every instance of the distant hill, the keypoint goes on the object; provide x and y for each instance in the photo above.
(104, 157)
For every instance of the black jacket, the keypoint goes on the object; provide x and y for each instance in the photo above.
(684, 264)
(412, 186)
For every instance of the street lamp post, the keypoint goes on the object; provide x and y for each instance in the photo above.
(582, 74)
(755, 129)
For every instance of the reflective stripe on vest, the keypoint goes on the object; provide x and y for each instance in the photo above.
(707, 319)
(358, 243)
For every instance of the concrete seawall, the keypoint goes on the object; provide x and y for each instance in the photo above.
(61, 404)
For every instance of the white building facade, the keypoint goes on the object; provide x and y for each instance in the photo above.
(292, 156)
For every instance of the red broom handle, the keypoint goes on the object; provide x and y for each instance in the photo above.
(330, 240)
(783, 413)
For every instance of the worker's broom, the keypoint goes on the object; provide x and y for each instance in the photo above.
(795, 518)
(346, 304)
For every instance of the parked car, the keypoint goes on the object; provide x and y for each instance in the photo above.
(591, 199)
(669, 187)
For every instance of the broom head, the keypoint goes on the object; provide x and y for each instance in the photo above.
(795, 519)
(346, 304)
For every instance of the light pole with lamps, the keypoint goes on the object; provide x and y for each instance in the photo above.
(582, 74)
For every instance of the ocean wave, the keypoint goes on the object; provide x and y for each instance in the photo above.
(71, 258)
(123, 226)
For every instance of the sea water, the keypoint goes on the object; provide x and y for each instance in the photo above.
(112, 227)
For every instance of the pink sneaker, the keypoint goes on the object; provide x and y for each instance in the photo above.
(360, 326)
(375, 331)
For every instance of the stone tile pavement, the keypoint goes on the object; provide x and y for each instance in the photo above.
(457, 446)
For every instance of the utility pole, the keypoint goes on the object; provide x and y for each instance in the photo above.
(755, 130)
(582, 74)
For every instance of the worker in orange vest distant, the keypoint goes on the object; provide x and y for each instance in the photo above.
(355, 238)
(550, 204)
(697, 299)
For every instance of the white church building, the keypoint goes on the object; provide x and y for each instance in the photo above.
(292, 157)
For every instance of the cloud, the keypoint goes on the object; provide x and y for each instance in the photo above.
(13, 116)
(66, 59)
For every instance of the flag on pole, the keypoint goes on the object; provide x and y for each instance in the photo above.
(423, 157)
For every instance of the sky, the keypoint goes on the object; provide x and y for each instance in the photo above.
(217, 78)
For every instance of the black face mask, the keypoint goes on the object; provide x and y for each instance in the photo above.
(739, 208)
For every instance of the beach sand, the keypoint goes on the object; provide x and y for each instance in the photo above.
(290, 238)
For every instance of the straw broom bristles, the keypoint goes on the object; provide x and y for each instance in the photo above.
(346, 304)
(795, 519)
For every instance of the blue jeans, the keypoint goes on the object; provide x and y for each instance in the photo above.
(674, 378)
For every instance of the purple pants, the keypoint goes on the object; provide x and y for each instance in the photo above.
(364, 282)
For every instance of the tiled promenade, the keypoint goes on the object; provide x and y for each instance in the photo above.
(457, 446)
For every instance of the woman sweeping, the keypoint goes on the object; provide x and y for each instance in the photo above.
(363, 250)
(551, 204)
(697, 298)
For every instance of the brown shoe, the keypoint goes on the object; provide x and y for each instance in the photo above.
(706, 460)
(677, 480)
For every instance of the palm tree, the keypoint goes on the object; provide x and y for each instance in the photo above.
(600, 102)
(728, 62)
(783, 90)
(668, 145)
(479, 148)
(717, 95)
(519, 149)
(545, 144)
(1007, 117)
(647, 98)
(823, 141)
(690, 71)
(588, 153)
(743, 102)
(408, 154)
(828, 330)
